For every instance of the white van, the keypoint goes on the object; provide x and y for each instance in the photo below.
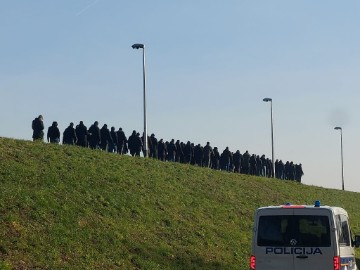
(302, 237)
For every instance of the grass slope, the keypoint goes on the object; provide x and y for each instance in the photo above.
(64, 207)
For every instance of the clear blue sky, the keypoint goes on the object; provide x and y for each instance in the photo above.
(209, 65)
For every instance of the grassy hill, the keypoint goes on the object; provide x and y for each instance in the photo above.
(64, 207)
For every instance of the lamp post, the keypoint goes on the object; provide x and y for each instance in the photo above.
(272, 135)
(142, 46)
(342, 156)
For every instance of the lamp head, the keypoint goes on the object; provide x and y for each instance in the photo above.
(138, 46)
(267, 99)
(338, 128)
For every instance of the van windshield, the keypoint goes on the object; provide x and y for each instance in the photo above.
(293, 230)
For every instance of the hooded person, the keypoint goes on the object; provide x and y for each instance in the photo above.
(38, 128)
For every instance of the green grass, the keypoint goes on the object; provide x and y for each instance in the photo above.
(65, 207)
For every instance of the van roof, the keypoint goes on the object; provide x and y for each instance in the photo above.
(335, 209)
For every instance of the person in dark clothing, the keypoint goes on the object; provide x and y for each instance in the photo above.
(132, 143)
(259, 166)
(282, 170)
(226, 158)
(122, 140)
(171, 149)
(298, 172)
(112, 145)
(69, 135)
(188, 152)
(207, 154)
(287, 170)
(222, 162)
(135, 144)
(291, 171)
(277, 169)
(237, 158)
(183, 159)
(215, 159)
(252, 162)
(81, 134)
(162, 151)
(154, 146)
(94, 135)
(198, 155)
(246, 163)
(179, 152)
(105, 136)
(38, 128)
(53, 134)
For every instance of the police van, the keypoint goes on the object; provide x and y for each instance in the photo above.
(302, 237)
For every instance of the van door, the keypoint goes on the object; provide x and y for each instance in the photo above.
(313, 239)
(270, 246)
(294, 238)
(346, 250)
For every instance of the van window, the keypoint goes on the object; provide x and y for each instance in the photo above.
(291, 230)
(343, 230)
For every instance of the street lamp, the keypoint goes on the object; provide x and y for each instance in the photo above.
(142, 46)
(272, 135)
(342, 156)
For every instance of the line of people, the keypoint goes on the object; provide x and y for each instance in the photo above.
(115, 141)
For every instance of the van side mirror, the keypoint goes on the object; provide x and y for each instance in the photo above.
(357, 241)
